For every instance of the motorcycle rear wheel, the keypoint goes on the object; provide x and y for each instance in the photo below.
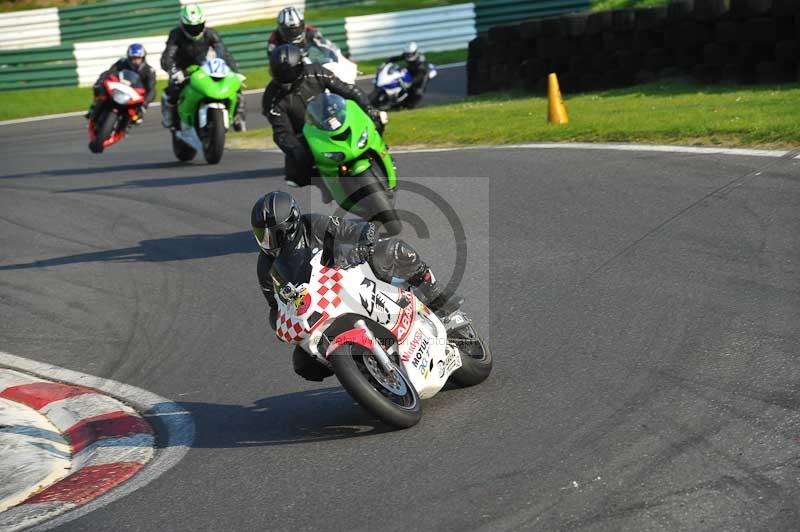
(105, 128)
(182, 151)
(214, 137)
(392, 399)
(476, 356)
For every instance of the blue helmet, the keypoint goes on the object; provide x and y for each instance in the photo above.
(136, 50)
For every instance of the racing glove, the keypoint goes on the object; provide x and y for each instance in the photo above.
(177, 77)
(353, 256)
(379, 118)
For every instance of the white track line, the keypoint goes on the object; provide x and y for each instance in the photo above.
(605, 146)
(657, 148)
(174, 426)
(158, 104)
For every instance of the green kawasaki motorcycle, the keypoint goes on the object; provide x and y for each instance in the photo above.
(205, 108)
(353, 161)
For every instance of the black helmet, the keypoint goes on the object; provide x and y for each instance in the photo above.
(275, 219)
(291, 26)
(286, 64)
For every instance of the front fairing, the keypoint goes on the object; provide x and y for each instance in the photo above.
(344, 140)
(203, 87)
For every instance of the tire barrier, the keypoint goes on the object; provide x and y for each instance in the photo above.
(715, 41)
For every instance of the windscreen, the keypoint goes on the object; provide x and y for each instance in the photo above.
(131, 78)
(321, 55)
(326, 111)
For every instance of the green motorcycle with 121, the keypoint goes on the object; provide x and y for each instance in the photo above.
(352, 159)
(205, 107)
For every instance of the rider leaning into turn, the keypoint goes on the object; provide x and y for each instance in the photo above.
(292, 29)
(136, 60)
(418, 67)
(284, 104)
(188, 44)
(279, 228)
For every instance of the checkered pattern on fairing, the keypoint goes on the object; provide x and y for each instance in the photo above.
(324, 299)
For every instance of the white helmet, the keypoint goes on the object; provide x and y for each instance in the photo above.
(411, 51)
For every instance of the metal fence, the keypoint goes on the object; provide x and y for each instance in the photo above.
(38, 67)
(492, 12)
(365, 37)
(434, 29)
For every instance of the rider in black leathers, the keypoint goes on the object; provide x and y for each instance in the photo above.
(279, 228)
(292, 29)
(418, 67)
(188, 44)
(284, 104)
(136, 60)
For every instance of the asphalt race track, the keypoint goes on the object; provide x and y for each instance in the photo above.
(643, 308)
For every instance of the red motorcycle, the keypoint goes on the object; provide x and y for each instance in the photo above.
(118, 109)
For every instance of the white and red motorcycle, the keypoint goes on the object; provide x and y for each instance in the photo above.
(384, 345)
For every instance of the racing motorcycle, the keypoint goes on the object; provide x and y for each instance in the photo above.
(205, 107)
(331, 57)
(388, 350)
(119, 109)
(392, 86)
(352, 159)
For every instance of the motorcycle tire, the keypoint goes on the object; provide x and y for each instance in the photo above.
(373, 199)
(379, 100)
(476, 356)
(214, 137)
(398, 406)
(105, 128)
(182, 151)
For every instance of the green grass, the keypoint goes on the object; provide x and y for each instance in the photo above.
(674, 112)
(316, 15)
(601, 5)
(20, 5)
(35, 102)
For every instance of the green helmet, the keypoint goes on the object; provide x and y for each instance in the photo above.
(193, 21)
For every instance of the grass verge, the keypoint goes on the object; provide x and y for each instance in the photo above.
(37, 102)
(674, 112)
(601, 5)
(315, 15)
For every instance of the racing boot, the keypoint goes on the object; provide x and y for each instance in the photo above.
(432, 294)
(239, 123)
(167, 112)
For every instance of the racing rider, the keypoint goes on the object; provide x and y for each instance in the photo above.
(284, 104)
(136, 60)
(292, 29)
(418, 67)
(188, 44)
(279, 228)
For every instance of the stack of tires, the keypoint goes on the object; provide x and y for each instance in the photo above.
(715, 41)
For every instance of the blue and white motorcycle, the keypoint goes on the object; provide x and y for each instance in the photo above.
(392, 87)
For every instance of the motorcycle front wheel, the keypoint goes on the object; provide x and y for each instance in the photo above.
(390, 398)
(373, 199)
(214, 137)
(103, 130)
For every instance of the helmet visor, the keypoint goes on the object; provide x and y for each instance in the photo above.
(194, 30)
(270, 239)
(292, 34)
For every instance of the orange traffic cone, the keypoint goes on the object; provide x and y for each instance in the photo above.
(557, 112)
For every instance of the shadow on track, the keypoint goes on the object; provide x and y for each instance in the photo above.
(309, 416)
(186, 247)
(182, 181)
(89, 170)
